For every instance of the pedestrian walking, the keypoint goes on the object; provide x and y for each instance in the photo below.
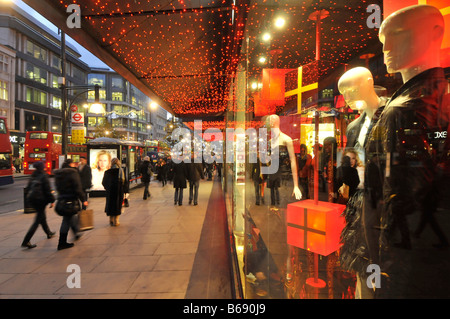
(146, 172)
(70, 192)
(39, 194)
(180, 174)
(195, 174)
(114, 183)
(85, 175)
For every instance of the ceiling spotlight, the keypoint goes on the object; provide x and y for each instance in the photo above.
(266, 37)
(280, 22)
(262, 59)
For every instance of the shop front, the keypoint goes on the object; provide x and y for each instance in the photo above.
(287, 107)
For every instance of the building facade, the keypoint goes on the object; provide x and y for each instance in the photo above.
(124, 109)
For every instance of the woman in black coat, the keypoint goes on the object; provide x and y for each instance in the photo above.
(40, 219)
(348, 175)
(114, 183)
(145, 176)
(180, 174)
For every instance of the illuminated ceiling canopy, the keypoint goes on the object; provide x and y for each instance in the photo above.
(184, 54)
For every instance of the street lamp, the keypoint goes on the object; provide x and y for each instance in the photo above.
(65, 113)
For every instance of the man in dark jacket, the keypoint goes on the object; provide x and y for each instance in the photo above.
(85, 175)
(180, 174)
(195, 174)
(68, 186)
(39, 176)
(145, 170)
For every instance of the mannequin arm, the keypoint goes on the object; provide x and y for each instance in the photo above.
(290, 147)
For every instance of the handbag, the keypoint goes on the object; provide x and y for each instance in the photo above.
(67, 207)
(344, 190)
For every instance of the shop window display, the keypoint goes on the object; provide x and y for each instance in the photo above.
(398, 147)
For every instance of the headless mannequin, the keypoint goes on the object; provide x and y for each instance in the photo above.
(279, 138)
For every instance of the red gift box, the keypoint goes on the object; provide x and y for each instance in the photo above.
(316, 228)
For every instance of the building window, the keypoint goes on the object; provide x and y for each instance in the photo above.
(56, 102)
(4, 95)
(3, 63)
(56, 62)
(78, 74)
(54, 81)
(117, 96)
(36, 51)
(327, 93)
(36, 74)
(36, 96)
(117, 83)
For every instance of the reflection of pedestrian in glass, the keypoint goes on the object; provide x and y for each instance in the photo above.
(348, 175)
(304, 169)
(99, 167)
(257, 180)
(114, 182)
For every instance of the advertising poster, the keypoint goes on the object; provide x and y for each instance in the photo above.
(100, 161)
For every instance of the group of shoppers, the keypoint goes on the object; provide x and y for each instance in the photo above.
(182, 174)
(72, 183)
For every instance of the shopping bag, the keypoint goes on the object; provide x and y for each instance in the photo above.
(86, 219)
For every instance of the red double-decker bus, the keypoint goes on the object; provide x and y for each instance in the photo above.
(47, 146)
(6, 170)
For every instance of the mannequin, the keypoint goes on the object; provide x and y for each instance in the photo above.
(403, 181)
(356, 85)
(281, 139)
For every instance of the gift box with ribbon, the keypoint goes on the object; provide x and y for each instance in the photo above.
(315, 227)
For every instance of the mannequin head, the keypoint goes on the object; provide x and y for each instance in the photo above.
(411, 39)
(273, 121)
(356, 85)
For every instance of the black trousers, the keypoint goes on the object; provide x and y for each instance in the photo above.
(178, 198)
(40, 219)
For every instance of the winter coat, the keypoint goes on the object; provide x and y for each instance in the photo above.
(46, 189)
(349, 176)
(144, 172)
(86, 177)
(68, 184)
(180, 174)
(195, 171)
(114, 192)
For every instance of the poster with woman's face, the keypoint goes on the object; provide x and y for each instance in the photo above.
(100, 161)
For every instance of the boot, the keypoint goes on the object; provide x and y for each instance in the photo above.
(111, 220)
(116, 220)
(63, 244)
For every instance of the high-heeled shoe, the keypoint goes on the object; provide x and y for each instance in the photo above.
(28, 245)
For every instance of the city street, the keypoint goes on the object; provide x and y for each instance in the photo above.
(11, 196)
